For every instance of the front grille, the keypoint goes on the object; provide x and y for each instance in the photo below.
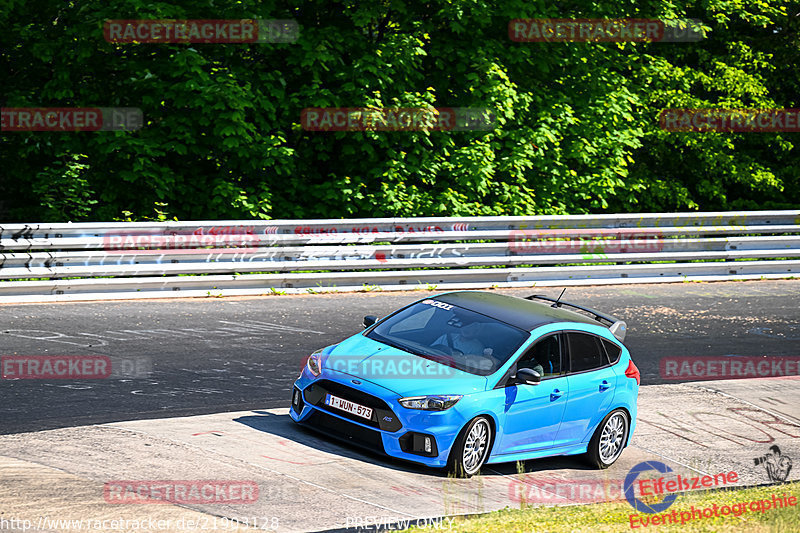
(344, 430)
(382, 415)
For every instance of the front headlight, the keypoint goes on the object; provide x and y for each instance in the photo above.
(430, 403)
(314, 365)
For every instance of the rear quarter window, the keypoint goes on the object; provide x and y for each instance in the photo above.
(612, 350)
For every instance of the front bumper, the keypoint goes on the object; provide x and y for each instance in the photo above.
(423, 437)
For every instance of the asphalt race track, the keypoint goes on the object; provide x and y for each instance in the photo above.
(217, 355)
(199, 391)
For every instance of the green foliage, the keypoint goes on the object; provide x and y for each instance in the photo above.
(577, 123)
(63, 191)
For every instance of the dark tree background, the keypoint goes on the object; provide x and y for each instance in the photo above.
(577, 124)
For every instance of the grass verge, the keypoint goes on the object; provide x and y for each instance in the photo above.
(615, 516)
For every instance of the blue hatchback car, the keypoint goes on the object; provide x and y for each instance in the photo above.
(471, 377)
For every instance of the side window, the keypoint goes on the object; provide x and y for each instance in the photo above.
(544, 357)
(585, 352)
(612, 350)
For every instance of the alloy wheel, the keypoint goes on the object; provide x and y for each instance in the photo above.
(475, 446)
(612, 437)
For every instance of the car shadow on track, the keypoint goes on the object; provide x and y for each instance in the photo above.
(572, 463)
(285, 428)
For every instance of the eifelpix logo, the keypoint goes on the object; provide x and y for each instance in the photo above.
(661, 486)
(636, 503)
(777, 465)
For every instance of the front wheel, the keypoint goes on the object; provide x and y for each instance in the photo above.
(609, 439)
(471, 448)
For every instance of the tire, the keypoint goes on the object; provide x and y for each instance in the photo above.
(471, 448)
(609, 439)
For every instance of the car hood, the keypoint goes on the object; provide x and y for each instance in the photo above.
(399, 371)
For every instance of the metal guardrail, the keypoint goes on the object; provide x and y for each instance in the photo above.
(51, 262)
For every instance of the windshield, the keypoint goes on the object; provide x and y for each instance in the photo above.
(451, 335)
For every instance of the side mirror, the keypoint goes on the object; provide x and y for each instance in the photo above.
(369, 320)
(527, 376)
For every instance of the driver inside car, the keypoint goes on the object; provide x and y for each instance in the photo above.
(466, 340)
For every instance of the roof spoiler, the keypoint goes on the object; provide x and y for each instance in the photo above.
(617, 327)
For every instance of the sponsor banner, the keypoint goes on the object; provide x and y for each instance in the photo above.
(711, 368)
(180, 492)
(201, 31)
(729, 120)
(74, 367)
(70, 119)
(397, 119)
(570, 241)
(605, 30)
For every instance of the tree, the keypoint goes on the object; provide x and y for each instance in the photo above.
(576, 131)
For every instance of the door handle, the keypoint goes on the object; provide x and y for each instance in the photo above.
(604, 386)
(555, 395)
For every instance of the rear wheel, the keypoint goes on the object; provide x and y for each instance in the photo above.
(609, 439)
(471, 448)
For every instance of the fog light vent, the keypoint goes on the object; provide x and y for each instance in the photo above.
(297, 400)
(419, 444)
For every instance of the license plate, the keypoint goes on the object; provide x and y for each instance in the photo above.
(350, 407)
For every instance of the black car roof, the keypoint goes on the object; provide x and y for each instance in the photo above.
(518, 312)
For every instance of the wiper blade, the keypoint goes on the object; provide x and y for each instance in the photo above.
(442, 360)
(397, 345)
(436, 358)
